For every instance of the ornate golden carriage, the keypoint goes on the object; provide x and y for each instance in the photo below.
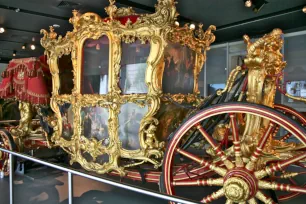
(126, 68)
(133, 77)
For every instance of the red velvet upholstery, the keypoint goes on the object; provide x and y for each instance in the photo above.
(25, 80)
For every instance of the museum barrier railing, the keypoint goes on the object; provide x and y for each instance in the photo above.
(72, 172)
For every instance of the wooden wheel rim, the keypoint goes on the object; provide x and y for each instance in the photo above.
(264, 112)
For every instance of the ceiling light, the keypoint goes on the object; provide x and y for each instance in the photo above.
(192, 26)
(33, 39)
(56, 26)
(2, 30)
(23, 47)
(14, 53)
(33, 47)
(17, 10)
(248, 3)
(304, 9)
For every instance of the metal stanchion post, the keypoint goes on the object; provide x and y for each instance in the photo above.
(11, 179)
(70, 188)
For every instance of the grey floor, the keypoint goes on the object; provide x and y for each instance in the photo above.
(44, 185)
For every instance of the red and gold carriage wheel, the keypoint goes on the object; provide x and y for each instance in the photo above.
(242, 171)
(6, 142)
(297, 177)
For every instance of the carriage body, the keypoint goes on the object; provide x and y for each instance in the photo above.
(126, 69)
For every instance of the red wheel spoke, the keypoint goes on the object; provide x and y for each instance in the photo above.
(277, 127)
(237, 148)
(214, 196)
(265, 199)
(211, 166)
(281, 187)
(261, 144)
(285, 137)
(200, 182)
(279, 166)
(216, 147)
(292, 181)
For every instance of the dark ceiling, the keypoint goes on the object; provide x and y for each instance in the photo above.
(231, 17)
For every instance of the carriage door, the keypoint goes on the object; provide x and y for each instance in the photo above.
(133, 92)
(94, 114)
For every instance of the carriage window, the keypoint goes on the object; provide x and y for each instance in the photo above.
(95, 66)
(133, 67)
(94, 123)
(66, 74)
(178, 76)
(67, 120)
(129, 123)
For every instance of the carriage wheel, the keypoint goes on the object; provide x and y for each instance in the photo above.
(6, 142)
(236, 176)
(301, 119)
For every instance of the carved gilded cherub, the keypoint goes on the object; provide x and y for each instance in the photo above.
(151, 141)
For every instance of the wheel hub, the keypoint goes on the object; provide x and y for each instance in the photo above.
(240, 185)
(236, 189)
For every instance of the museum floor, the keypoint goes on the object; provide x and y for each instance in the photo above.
(44, 185)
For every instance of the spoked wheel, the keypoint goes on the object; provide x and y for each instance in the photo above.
(244, 167)
(6, 142)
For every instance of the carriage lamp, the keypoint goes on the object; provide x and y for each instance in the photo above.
(248, 3)
(33, 47)
(14, 53)
(2, 30)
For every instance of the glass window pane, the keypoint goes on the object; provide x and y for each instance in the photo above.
(95, 66)
(129, 123)
(65, 74)
(67, 120)
(216, 66)
(133, 67)
(178, 76)
(94, 123)
(295, 71)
